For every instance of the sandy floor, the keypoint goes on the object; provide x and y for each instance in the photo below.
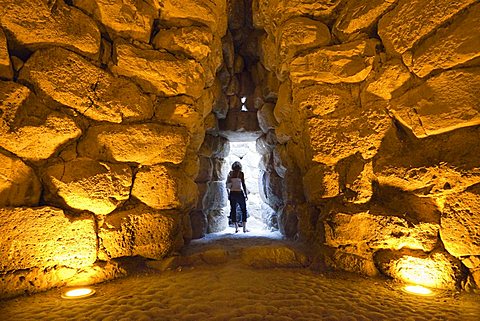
(233, 291)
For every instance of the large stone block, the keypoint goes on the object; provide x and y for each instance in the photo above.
(38, 24)
(163, 187)
(460, 223)
(412, 20)
(215, 146)
(86, 184)
(213, 14)
(129, 19)
(145, 144)
(345, 63)
(266, 118)
(194, 42)
(239, 126)
(6, 70)
(336, 127)
(70, 80)
(199, 224)
(158, 72)
(320, 182)
(19, 185)
(379, 232)
(443, 103)
(448, 47)
(139, 231)
(28, 128)
(216, 196)
(217, 220)
(389, 80)
(358, 16)
(46, 237)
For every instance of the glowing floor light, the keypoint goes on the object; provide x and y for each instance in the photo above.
(78, 293)
(418, 290)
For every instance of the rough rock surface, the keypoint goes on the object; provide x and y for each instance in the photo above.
(192, 41)
(127, 18)
(145, 144)
(72, 81)
(6, 70)
(45, 236)
(273, 256)
(158, 72)
(38, 23)
(460, 227)
(392, 77)
(86, 184)
(401, 28)
(19, 185)
(139, 231)
(163, 187)
(441, 104)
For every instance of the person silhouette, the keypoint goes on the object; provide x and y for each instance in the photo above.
(237, 194)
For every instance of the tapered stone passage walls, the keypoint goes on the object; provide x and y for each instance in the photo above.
(115, 118)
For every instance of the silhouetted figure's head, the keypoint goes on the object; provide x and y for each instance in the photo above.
(236, 166)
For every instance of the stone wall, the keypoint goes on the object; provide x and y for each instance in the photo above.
(376, 118)
(104, 106)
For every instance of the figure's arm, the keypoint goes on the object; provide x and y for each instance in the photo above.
(244, 186)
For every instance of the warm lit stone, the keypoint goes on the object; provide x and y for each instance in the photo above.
(270, 14)
(158, 72)
(380, 232)
(213, 14)
(448, 47)
(163, 187)
(332, 111)
(84, 87)
(19, 186)
(45, 236)
(28, 128)
(6, 70)
(359, 16)
(139, 231)
(38, 23)
(320, 182)
(342, 259)
(345, 63)
(86, 184)
(300, 34)
(443, 103)
(392, 76)
(273, 256)
(192, 41)
(434, 270)
(460, 223)
(412, 20)
(127, 18)
(143, 143)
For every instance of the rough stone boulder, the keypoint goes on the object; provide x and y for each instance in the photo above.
(274, 256)
(39, 23)
(158, 72)
(70, 80)
(129, 19)
(271, 14)
(192, 41)
(449, 164)
(145, 144)
(336, 126)
(216, 196)
(433, 270)
(266, 118)
(19, 185)
(6, 70)
(391, 78)
(86, 184)
(215, 146)
(212, 14)
(448, 47)
(376, 232)
(320, 182)
(240, 125)
(217, 220)
(163, 187)
(412, 20)
(297, 35)
(358, 16)
(443, 103)
(460, 223)
(28, 128)
(46, 237)
(345, 63)
(139, 231)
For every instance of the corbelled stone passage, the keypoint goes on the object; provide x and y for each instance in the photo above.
(117, 117)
